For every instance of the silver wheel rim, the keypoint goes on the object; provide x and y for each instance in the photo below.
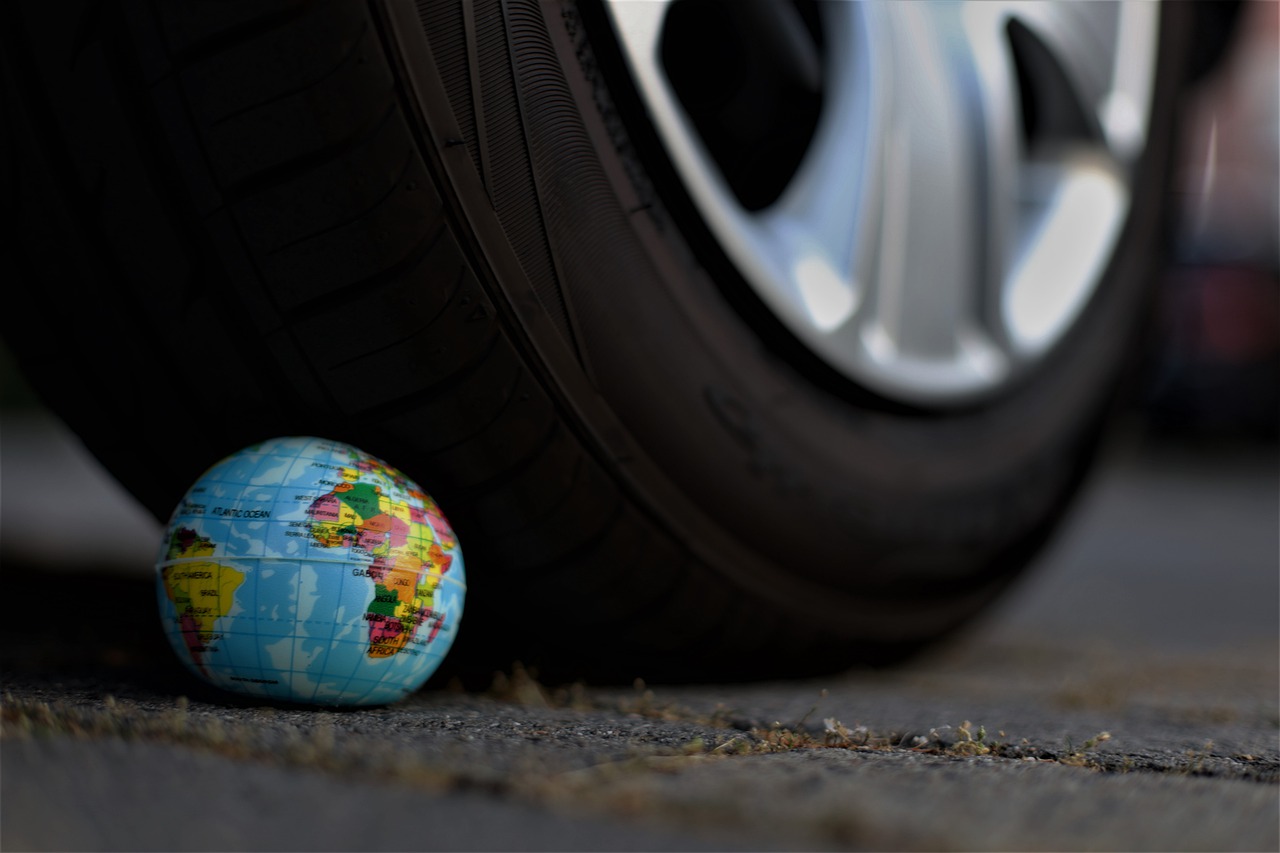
(925, 247)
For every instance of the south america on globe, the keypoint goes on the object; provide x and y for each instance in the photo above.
(305, 570)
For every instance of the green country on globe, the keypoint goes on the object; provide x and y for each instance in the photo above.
(306, 570)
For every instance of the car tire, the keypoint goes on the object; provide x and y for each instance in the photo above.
(442, 233)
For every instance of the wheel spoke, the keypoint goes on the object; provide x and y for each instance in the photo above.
(922, 313)
(1081, 39)
(817, 239)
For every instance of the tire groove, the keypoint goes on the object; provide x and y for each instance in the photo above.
(234, 35)
(282, 173)
(96, 251)
(298, 90)
(227, 201)
(377, 203)
(407, 404)
(531, 521)
(425, 329)
(583, 548)
(358, 290)
(483, 161)
(476, 491)
(502, 410)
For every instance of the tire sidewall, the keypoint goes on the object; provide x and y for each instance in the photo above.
(768, 475)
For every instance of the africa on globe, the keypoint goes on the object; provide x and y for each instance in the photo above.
(305, 570)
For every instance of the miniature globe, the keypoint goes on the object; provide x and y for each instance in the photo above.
(308, 571)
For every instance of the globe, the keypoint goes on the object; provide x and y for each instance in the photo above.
(307, 571)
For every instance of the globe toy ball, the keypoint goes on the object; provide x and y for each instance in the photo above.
(308, 571)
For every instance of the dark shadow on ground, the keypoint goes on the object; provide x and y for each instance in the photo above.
(110, 634)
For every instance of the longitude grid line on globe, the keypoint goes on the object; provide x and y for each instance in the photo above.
(257, 573)
(333, 633)
(225, 648)
(352, 678)
(297, 579)
(260, 572)
(256, 621)
(356, 661)
(355, 666)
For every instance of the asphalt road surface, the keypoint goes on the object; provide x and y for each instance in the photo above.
(1125, 696)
